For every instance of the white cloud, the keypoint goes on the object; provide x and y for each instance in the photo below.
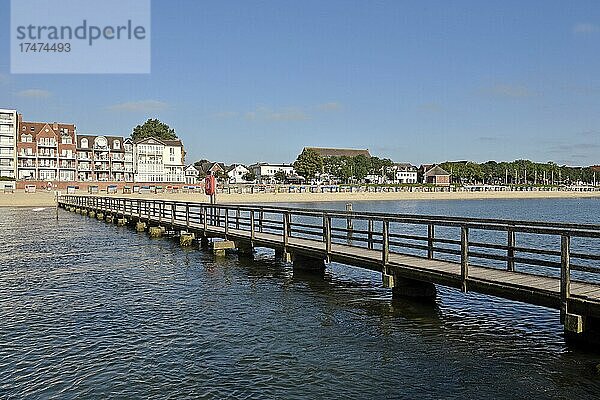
(34, 93)
(140, 106)
(585, 28)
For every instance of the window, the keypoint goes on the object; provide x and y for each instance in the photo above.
(84, 143)
(116, 145)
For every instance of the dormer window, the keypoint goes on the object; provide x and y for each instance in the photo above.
(116, 145)
(84, 143)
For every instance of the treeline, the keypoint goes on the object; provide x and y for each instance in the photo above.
(518, 172)
(310, 164)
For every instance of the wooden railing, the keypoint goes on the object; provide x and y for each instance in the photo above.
(564, 250)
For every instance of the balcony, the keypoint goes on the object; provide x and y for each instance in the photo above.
(46, 155)
(47, 145)
(25, 155)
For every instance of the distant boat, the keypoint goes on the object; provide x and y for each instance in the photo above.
(39, 209)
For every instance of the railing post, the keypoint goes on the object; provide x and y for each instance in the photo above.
(286, 221)
(261, 216)
(464, 256)
(204, 218)
(510, 254)
(173, 214)
(385, 250)
(226, 222)
(327, 231)
(565, 273)
(370, 234)
(237, 218)
(187, 216)
(430, 240)
(251, 225)
(161, 206)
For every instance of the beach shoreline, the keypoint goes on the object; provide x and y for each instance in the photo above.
(48, 199)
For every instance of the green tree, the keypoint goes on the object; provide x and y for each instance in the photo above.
(280, 176)
(308, 164)
(362, 166)
(249, 176)
(153, 128)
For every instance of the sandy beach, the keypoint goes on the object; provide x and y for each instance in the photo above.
(47, 199)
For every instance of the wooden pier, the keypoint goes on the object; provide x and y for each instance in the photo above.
(555, 265)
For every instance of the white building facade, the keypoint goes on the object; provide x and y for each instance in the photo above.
(405, 173)
(157, 160)
(191, 175)
(236, 174)
(265, 173)
(8, 144)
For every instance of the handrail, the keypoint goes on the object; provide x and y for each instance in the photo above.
(550, 228)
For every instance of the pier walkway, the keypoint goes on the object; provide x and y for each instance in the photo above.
(555, 265)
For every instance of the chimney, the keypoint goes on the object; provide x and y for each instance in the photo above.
(55, 126)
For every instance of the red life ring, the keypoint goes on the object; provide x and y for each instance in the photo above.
(210, 185)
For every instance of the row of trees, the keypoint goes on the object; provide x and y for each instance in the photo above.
(517, 172)
(310, 164)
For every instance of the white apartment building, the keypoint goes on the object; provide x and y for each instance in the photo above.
(101, 159)
(129, 162)
(265, 173)
(158, 160)
(8, 135)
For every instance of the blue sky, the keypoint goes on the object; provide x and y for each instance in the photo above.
(417, 81)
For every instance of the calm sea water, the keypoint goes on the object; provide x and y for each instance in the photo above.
(91, 310)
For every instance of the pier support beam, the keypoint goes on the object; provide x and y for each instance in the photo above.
(140, 226)
(582, 331)
(204, 243)
(307, 263)
(219, 248)
(155, 231)
(283, 256)
(186, 239)
(245, 249)
(411, 288)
